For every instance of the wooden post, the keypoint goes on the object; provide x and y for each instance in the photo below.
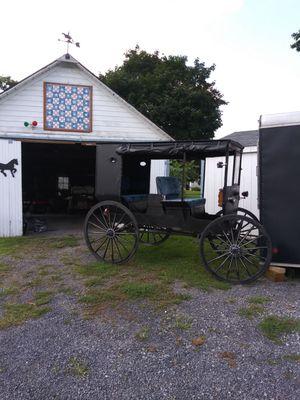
(276, 274)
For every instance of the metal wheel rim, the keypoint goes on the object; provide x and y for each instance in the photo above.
(111, 232)
(238, 249)
(243, 212)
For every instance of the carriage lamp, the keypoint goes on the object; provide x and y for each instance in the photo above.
(220, 198)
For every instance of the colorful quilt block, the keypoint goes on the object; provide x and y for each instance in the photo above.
(67, 107)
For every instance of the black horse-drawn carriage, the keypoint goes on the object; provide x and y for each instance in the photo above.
(234, 246)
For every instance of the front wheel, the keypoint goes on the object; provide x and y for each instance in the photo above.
(235, 249)
(111, 232)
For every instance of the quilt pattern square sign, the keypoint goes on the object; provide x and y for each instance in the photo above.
(67, 107)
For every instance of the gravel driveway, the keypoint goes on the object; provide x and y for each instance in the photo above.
(202, 348)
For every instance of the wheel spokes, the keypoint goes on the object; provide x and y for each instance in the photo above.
(222, 264)
(153, 235)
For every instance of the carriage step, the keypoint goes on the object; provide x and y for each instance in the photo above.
(276, 274)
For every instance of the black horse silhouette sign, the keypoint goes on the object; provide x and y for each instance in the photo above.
(10, 166)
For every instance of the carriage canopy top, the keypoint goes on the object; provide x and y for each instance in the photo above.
(191, 149)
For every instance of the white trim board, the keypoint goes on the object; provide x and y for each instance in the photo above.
(280, 119)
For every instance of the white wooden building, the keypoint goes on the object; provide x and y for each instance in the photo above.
(62, 103)
(214, 176)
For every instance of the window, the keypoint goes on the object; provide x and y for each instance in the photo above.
(63, 183)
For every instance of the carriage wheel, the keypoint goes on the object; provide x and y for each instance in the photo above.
(153, 235)
(111, 232)
(241, 211)
(235, 249)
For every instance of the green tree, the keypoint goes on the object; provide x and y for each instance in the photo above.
(179, 98)
(6, 83)
(296, 44)
(192, 170)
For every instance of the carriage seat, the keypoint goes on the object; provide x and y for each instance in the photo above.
(136, 202)
(170, 188)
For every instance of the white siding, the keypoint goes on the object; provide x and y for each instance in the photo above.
(249, 182)
(112, 118)
(158, 168)
(11, 191)
(214, 181)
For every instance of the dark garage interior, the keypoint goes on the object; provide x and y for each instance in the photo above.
(58, 185)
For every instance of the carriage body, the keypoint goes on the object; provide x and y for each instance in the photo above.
(123, 175)
(126, 206)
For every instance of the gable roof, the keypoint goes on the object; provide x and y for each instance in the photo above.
(68, 59)
(246, 138)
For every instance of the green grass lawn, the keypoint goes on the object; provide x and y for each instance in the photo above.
(191, 193)
(176, 259)
(149, 276)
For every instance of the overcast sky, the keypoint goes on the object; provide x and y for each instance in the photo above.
(248, 40)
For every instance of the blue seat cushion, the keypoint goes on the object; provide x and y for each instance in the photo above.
(189, 201)
(168, 186)
(130, 198)
(195, 201)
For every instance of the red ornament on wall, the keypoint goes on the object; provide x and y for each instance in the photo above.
(34, 123)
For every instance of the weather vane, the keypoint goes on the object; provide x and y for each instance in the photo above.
(68, 40)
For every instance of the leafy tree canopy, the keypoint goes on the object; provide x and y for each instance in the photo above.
(296, 44)
(6, 83)
(192, 170)
(177, 97)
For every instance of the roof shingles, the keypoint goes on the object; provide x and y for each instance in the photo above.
(246, 138)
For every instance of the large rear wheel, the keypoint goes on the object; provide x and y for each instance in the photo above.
(111, 232)
(235, 249)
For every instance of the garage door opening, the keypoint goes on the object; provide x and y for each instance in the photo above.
(58, 185)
